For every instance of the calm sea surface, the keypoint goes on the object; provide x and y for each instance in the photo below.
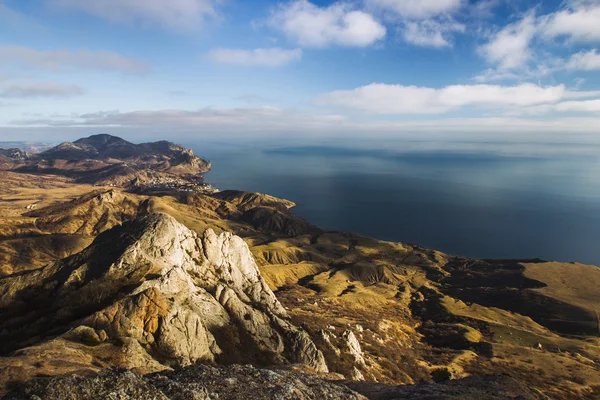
(489, 203)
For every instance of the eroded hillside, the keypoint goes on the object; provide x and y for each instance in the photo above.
(376, 311)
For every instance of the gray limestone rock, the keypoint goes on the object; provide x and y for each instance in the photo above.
(183, 298)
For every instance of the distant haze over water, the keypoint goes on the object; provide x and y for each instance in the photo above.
(486, 200)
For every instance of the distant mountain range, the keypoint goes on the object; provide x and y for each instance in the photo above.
(109, 160)
(30, 147)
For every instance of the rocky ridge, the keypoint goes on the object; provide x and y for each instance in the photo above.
(109, 160)
(12, 157)
(158, 290)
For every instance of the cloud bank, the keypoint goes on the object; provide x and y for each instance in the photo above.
(40, 89)
(384, 99)
(179, 15)
(57, 59)
(272, 57)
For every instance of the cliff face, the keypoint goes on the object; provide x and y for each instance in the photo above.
(158, 290)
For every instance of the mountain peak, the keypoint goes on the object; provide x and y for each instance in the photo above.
(161, 291)
(105, 159)
(103, 139)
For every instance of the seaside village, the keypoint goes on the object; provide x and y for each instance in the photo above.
(167, 183)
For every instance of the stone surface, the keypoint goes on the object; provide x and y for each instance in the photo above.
(194, 383)
(157, 289)
(352, 347)
(492, 387)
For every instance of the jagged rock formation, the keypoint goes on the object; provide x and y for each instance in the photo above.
(52, 230)
(352, 347)
(159, 290)
(197, 382)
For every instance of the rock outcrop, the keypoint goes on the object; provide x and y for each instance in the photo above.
(197, 382)
(155, 288)
(352, 347)
(9, 158)
(15, 154)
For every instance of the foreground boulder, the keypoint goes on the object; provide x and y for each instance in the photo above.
(159, 292)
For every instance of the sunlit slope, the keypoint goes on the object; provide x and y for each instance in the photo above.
(574, 284)
(414, 312)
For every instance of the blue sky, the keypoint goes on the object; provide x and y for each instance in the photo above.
(299, 67)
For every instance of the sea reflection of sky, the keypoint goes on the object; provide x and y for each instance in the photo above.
(496, 202)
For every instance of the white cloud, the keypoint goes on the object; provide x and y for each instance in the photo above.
(512, 53)
(273, 121)
(418, 9)
(238, 119)
(573, 94)
(579, 22)
(537, 69)
(431, 33)
(273, 57)
(172, 14)
(587, 61)
(39, 89)
(510, 47)
(380, 98)
(483, 9)
(582, 106)
(251, 98)
(55, 59)
(338, 24)
(492, 74)
(425, 23)
(513, 56)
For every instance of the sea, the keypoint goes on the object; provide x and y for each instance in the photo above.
(483, 200)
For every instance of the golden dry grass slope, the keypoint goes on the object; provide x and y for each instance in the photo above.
(380, 311)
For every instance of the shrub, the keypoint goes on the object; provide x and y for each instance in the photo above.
(441, 375)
